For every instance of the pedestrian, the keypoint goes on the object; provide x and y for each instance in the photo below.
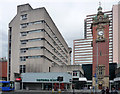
(107, 90)
(103, 91)
(114, 91)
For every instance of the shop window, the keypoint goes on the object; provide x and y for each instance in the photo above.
(74, 73)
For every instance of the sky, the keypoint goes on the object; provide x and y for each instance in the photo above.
(68, 15)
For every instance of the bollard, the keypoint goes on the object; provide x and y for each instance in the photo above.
(59, 90)
(52, 90)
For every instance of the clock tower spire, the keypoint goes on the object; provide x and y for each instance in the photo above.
(100, 8)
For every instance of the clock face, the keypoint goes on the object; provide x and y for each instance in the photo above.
(100, 33)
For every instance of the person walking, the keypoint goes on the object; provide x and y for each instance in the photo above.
(107, 90)
(103, 91)
(114, 91)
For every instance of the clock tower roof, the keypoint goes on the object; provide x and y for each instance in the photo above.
(100, 17)
(100, 9)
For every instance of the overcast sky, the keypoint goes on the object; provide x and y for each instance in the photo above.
(68, 16)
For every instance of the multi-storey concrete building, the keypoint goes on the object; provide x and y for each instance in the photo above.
(116, 33)
(35, 43)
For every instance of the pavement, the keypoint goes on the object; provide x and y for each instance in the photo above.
(50, 92)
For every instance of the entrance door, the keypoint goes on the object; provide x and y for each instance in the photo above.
(100, 86)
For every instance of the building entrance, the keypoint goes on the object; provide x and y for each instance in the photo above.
(100, 86)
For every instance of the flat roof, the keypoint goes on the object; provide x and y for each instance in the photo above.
(46, 77)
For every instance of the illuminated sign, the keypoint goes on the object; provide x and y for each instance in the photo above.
(46, 79)
(18, 79)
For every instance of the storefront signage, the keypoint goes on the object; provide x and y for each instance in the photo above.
(46, 79)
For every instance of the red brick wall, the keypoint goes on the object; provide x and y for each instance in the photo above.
(104, 48)
(3, 69)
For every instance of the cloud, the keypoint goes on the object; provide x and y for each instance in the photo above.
(68, 16)
(3, 44)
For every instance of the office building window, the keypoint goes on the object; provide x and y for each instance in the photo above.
(34, 48)
(24, 25)
(24, 41)
(24, 17)
(33, 57)
(23, 58)
(33, 31)
(31, 40)
(22, 69)
(23, 33)
(36, 39)
(74, 73)
(23, 50)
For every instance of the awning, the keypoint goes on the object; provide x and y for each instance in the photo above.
(117, 79)
(45, 77)
(82, 79)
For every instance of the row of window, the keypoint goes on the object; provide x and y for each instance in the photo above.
(24, 25)
(31, 40)
(54, 36)
(54, 57)
(32, 31)
(23, 50)
(56, 52)
(23, 58)
(55, 44)
(37, 22)
(25, 41)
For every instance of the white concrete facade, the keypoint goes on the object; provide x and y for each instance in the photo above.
(116, 33)
(35, 43)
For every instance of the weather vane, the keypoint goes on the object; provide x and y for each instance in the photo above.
(99, 4)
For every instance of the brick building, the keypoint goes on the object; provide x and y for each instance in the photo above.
(3, 69)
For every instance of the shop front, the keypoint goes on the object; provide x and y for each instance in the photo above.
(117, 83)
(46, 81)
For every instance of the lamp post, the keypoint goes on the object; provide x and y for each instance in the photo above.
(97, 71)
(59, 78)
(73, 88)
(52, 86)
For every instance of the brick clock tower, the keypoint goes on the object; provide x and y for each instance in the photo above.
(100, 31)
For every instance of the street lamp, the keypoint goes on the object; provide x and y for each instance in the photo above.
(97, 71)
(59, 78)
(73, 86)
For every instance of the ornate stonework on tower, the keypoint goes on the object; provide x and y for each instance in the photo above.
(100, 32)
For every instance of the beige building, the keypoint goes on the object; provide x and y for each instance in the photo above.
(116, 33)
(67, 68)
(35, 43)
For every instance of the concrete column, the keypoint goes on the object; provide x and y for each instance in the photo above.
(42, 86)
(70, 86)
(66, 86)
(17, 85)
